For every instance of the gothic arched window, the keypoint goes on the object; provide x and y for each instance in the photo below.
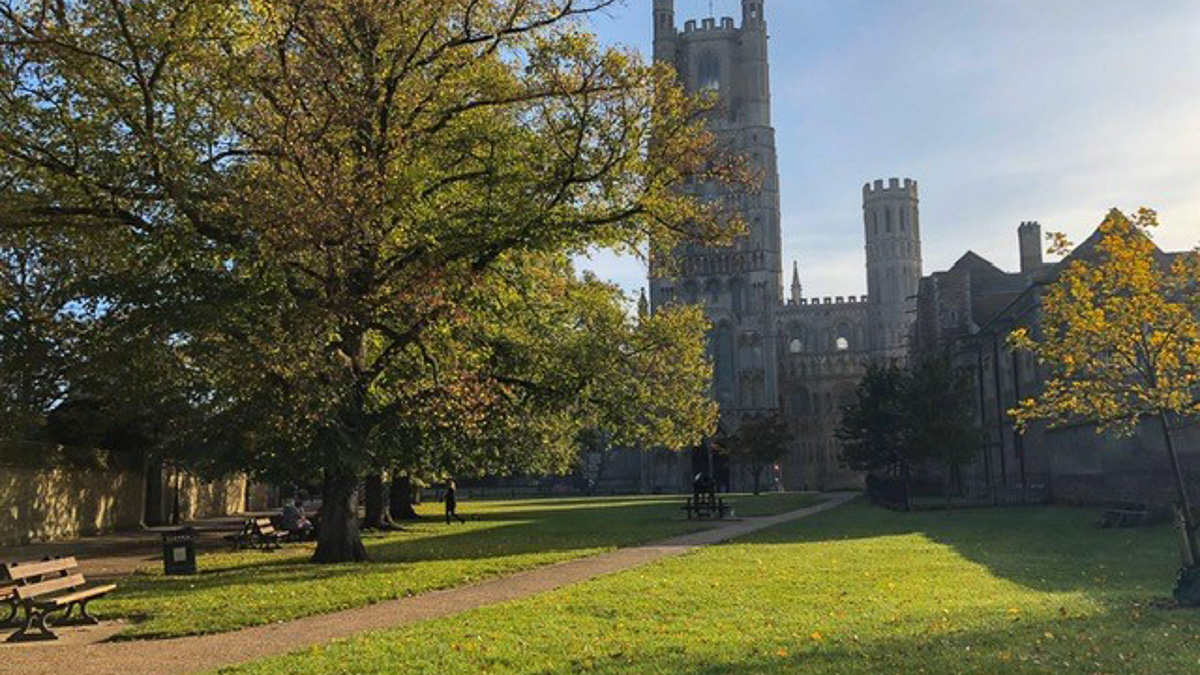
(709, 72)
(842, 342)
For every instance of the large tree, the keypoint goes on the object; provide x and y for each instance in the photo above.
(903, 417)
(872, 426)
(759, 442)
(1119, 333)
(939, 418)
(359, 214)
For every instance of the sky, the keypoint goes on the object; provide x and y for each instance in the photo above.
(1003, 110)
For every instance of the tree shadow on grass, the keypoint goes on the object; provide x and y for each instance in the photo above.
(1162, 644)
(522, 528)
(431, 556)
(1042, 548)
(503, 539)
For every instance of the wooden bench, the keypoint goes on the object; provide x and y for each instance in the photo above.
(257, 533)
(705, 506)
(45, 588)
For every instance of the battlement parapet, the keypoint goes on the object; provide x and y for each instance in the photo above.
(831, 301)
(709, 24)
(1030, 226)
(892, 188)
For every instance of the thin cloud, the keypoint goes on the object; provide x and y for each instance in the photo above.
(1004, 110)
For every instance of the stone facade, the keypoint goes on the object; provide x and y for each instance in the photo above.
(968, 312)
(803, 356)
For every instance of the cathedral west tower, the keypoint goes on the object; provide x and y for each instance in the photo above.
(741, 285)
(803, 357)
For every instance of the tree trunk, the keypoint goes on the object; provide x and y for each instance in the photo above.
(1190, 552)
(757, 479)
(908, 505)
(155, 514)
(375, 517)
(338, 537)
(400, 498)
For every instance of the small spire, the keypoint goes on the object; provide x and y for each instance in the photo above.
(643, 306)
(797, 289)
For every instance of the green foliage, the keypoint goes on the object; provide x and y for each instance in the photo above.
(900, 418)
(854, 591)
(938, 412)
(345, 228)
(759, 442)
(44, 295)
(872, 426)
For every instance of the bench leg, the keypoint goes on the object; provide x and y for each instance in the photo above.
(33, 619)
(84, 618)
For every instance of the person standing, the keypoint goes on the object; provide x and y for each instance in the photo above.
(452, 502)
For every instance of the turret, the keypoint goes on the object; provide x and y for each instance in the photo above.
(756, 91)
(892, 224)
(797, 289)
(664, 30)
(752, 14)
(1030, 237)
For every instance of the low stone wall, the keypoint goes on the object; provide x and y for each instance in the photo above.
(203, 499)
(57, 503)
(47, 503)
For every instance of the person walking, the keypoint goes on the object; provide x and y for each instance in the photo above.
(452, 502)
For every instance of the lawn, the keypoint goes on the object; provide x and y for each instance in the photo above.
(856, 590)
(235, 590)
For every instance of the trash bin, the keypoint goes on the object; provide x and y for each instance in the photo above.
(179, 551)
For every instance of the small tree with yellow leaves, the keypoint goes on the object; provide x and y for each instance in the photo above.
(1120, 334)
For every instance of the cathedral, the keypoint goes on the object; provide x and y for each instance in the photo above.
(797, 355)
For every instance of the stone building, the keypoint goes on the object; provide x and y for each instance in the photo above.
(968, 311)
(802, 356)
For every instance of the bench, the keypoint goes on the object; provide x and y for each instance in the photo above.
(257, 533)
(45, 588)
(1131, 514)
(705, 506)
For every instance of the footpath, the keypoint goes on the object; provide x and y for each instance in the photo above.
(208, 652)
(109, 557)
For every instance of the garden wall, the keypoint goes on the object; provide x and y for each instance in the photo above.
(1086, 468)
(47, 503)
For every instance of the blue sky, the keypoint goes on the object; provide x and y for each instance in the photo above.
(1004, 110)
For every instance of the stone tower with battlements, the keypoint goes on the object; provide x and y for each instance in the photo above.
(804, 357)
(741, 285)
(892, 225)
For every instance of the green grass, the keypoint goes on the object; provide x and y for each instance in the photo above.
(856, 590)
(236, 590)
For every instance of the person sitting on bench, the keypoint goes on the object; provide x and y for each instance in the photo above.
(294, 521)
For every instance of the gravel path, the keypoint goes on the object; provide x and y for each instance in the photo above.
(85, 647)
